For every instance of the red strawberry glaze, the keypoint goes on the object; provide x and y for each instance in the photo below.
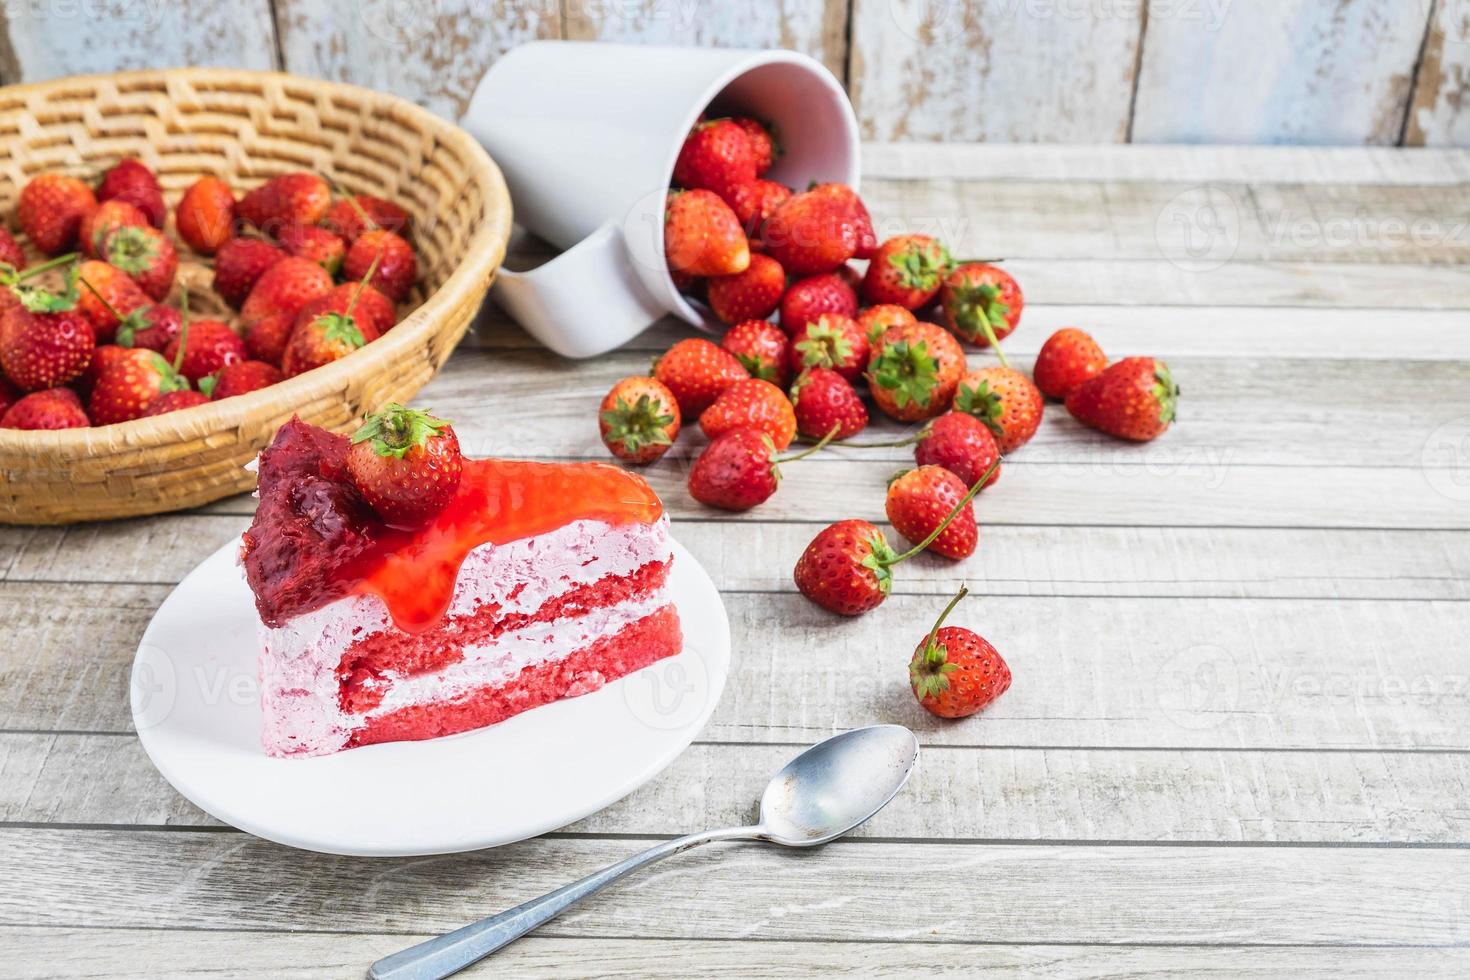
(314, 540)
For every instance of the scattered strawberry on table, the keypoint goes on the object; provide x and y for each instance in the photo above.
(955, 672)
(314, 272)
(639, 420)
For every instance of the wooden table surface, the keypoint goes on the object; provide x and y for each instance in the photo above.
(1239, 734)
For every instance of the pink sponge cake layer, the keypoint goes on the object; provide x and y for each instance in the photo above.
(530, 620)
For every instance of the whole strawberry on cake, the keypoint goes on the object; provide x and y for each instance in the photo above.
(407, 592)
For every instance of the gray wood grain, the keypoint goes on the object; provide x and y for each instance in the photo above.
(1439, 114)
(1039, 894)
(957, 794)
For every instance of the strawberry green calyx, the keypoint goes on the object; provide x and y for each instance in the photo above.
(909, 371)
(131, 250)
(169, 378)
(922, 265)
(1166, 392)
(394, 430)
(825, 345)
(982, 403)
(758, 367)
(209, 382)
(341, 328)
(38, 300)
(930, 669)
(979, 310)
(641, 424)
(882, 557)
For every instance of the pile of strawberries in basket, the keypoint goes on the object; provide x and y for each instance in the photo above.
(752, 249)
(90, 338)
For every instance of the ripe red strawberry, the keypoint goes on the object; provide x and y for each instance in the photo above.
(11, 253)
(906, 271)
(153, 326)
(753, 203)
(762, 142)
(876, 319)
(286, 200)
(739, 469)
(760, 346)
(913, 371)
(9, 395)
(205, 216)
(371, 306)
(53, 408)
(961, 444)
(831, 341)
(129, 384)
(639, 420)
(174, 401)
(321, 246)
(318, 340)
(406, 464)
(131, 181)
(109, 216)
(751, 404)
(809, 298)
(811, 233)
(107, 296)
(1005, 400)
(1067, 359)
(919, 500)
(102, 358)
(697, 371)
(717, 155)
(845, 197)
(286, 287)
(749, 295)
(955, 672)
(145, 254)
(396, 266)
(702, 236)
(266, 338)
(982, 303)
(238, 265)
(51, 210)
(240, 378)
(848, 567)
(44, 341)
(208, 346)
(351, 216)
(824, 400)
(1133, 399)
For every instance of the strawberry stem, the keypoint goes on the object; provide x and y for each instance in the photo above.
(969, 496)
(807, 452)
(367, 277)
(46, 266)
(990, 338)
(934, 633)
(100, 298)
(183, 325)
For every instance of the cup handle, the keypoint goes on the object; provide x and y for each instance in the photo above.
(584, 302)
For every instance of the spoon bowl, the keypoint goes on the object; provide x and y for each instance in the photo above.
(836, 785)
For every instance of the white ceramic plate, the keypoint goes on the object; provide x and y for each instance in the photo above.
(196, 703)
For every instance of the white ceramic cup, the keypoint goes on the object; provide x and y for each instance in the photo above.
(587, 134)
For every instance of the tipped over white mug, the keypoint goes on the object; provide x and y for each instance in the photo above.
(587, 134)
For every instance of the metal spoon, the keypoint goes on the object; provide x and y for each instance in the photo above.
(822, 794)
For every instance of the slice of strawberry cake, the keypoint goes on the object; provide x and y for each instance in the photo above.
(406, 592)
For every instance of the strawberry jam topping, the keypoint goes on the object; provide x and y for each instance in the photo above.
(314, 540)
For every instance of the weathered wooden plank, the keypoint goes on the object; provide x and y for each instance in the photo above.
(1439, 114)
(1002, 794)
(814, 27)
(1260, 221)
(128, 954)
(1276, 563)
(968, 71)
(1090, 671)
(1294, 71)
(1168, 331)
(1248, 896)
(1234, 412)
(49, 40)
(433, 54)
(1192, 164)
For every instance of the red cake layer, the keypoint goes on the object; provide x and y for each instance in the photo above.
(408, 654)
(637, 645)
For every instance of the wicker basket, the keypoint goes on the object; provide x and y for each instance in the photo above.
(245, 127)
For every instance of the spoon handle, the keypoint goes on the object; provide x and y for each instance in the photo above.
(453, 951)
